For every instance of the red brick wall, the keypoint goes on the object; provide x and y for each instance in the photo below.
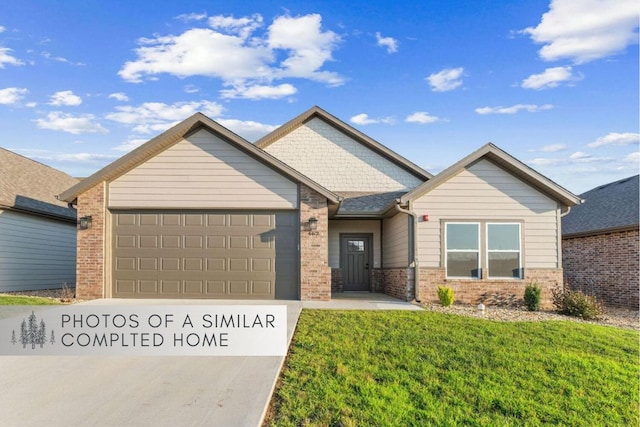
(90, 252)
(398, 283)
(490, 292)
(605, 265)
(315, 273)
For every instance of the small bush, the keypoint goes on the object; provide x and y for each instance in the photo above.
(577, 304)
(532, 297)
(445, 295)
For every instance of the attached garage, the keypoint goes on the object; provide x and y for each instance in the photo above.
(197, 212)
(205, 254)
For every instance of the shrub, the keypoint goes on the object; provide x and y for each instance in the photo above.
(445, 295)
(577, 304)
(532, 297)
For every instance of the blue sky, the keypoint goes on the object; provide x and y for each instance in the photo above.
(554, 83)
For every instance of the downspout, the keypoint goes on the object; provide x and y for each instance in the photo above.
(414, 242)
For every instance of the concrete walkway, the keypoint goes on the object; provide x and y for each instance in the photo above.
(153, 391)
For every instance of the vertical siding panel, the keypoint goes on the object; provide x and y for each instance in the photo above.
(485, 191)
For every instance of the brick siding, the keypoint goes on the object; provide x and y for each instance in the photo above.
(605, 265)
(90, 252)
(490, 292)
(398, 283)
(336, 280)
(315, 273)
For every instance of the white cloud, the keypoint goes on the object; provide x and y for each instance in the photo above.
(11, 95)
(232, 50)
(2, 29)
(364, 119)
(49, 56)
(157, 116)
(7, 58)
(531, 108)
(186, 17)
(247, 129)
(550, 78)
(615, 138)
(446, 80)
(389, 42)
(578, 157)
(83, 123)
(633, 158)
(260, 92)
(130, 145)
(552, 148)
(191, 89)
(119, 96)
(422, 117)
(586, 30)
(65, 97)
(64, 157)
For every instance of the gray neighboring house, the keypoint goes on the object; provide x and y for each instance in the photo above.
(600, 244)
(37, 231)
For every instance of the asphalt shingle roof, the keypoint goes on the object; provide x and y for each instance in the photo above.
(610, 206)
(32, 186)
(367, 203)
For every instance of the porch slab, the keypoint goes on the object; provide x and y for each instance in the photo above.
(361, 301)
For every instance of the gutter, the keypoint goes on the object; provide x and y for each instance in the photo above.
(414, 242)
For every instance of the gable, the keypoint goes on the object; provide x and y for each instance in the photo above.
(202, 171)
(339, 162)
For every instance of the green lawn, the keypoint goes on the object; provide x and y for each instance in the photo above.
(24, 300)
(394, 368)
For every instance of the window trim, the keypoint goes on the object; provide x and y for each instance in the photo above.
(519, 251)
(447, 250)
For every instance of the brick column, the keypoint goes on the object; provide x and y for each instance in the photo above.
(90, 252)
(315, 273)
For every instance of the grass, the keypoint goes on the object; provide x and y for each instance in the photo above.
(25, 300)
(392, 368)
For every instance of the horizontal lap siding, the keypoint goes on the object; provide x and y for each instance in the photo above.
(36, 253)
(203, 171)
(485, 191)
(396, 241)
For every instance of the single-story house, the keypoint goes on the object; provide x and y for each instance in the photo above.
(314, 207)
(601, 244)
(37, 231)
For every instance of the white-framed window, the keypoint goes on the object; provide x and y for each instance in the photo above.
(504, 258)
(463, 250)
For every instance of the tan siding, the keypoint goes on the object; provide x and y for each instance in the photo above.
(35, 253)
(329, 157)
(485, 191)
(396, 241)
(202, 171)
(336, 227)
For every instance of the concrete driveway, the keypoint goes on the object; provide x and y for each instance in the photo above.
(153, 390)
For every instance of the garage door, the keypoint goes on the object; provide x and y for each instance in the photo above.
(205, 254)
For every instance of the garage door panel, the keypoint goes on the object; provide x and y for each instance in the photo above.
(205, 255)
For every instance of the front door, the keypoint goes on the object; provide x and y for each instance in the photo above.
(355, 250)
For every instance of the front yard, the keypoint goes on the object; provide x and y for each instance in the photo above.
(391, 368)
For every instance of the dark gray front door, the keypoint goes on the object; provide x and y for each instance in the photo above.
(355, 250)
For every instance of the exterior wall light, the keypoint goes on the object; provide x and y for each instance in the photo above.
(85, 222)
(312, 225)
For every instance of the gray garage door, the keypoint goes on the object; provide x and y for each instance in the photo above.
(205, 254)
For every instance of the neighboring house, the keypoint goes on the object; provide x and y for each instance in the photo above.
(37, 231)
(601, 246)
(314, 207)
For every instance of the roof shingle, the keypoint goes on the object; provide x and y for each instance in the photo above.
(29, 185)
(607, 207)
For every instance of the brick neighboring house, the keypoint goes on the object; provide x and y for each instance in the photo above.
(37, 231)
(312, 208)
(601, 246)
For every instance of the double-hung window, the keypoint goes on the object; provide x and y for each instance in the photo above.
(503, 251)
(494, 247)
(463, 250)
